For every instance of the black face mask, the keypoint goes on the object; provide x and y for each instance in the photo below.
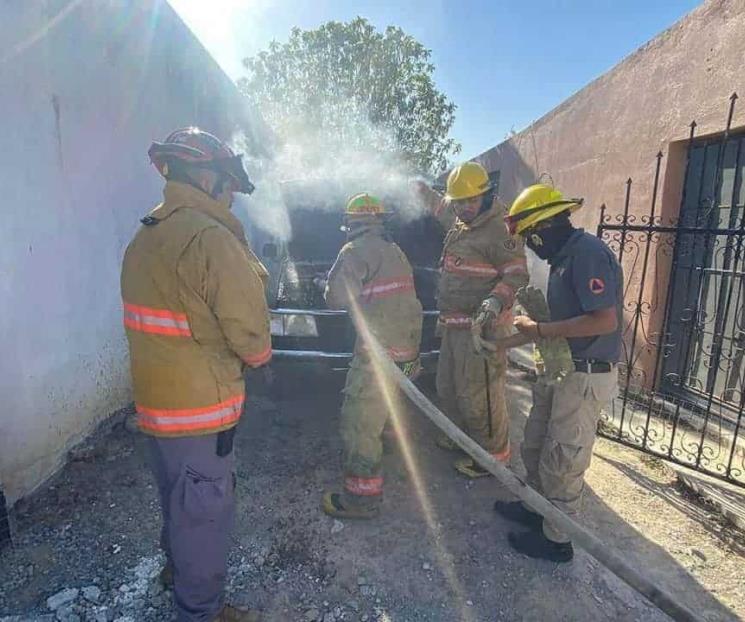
(546, 243)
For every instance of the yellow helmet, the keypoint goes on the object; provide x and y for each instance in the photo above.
(364, 204)
(535, 204)
(466, 181)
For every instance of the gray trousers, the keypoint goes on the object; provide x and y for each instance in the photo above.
(197, 499)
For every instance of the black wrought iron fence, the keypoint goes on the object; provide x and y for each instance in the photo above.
(683, 374)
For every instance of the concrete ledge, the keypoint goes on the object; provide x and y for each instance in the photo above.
(728, 500)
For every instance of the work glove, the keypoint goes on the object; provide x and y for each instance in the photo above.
(488, 311)
(491, 307)
(411, 369)
(554, 352)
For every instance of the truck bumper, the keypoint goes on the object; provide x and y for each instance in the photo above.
(330, 363)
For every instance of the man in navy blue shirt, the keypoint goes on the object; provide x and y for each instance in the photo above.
(585, 299)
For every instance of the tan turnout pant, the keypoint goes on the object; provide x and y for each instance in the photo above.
(364, 414)
(559, 437)
(461, 388)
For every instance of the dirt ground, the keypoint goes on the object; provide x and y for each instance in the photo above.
(437, 553)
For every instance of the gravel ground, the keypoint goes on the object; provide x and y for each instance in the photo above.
(86, 546)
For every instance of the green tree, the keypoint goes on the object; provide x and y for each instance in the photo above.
(348, 86)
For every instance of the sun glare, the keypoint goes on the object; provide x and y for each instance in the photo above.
(394, 403)
(221, 26)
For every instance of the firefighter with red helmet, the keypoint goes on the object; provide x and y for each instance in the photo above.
(196, 316)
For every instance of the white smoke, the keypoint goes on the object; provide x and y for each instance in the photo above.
(319, 169)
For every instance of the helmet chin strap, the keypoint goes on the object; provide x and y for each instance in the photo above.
(219, 185)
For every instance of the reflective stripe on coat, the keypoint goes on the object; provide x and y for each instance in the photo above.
(195, 314)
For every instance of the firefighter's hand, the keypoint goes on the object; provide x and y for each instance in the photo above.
(526, 326)
(491, 307)
(320, 283)
(412, 369)
(483, 347)
(488, 311)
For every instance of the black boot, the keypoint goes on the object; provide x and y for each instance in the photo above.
(516, 512)
(534, 544)
(166, 576)
(331, 504)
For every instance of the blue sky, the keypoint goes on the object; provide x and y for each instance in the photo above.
(504, 63)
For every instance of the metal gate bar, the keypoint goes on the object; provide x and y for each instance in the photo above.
(665, 409)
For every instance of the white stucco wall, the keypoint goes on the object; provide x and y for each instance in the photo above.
(84, 87)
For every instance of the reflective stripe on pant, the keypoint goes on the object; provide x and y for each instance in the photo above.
(196, 489)
(363, 417)
(559, 437)
(461, 387)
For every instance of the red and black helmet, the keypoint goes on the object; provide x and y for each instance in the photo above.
(193, 146)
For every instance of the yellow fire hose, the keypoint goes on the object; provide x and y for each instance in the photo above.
(617, 564)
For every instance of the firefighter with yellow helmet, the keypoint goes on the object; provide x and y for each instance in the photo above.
(482, 267)
(373, 279)
(585, 300)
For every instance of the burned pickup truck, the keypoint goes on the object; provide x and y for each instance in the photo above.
(306, 335)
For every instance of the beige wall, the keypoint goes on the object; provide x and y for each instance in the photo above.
(613, 128)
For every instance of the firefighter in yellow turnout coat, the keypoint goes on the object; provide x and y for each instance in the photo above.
(195, 316)
(482, 267)
(373, 279)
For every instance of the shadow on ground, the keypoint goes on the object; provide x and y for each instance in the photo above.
(437, 553)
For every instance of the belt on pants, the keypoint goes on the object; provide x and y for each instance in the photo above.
(591, 366)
